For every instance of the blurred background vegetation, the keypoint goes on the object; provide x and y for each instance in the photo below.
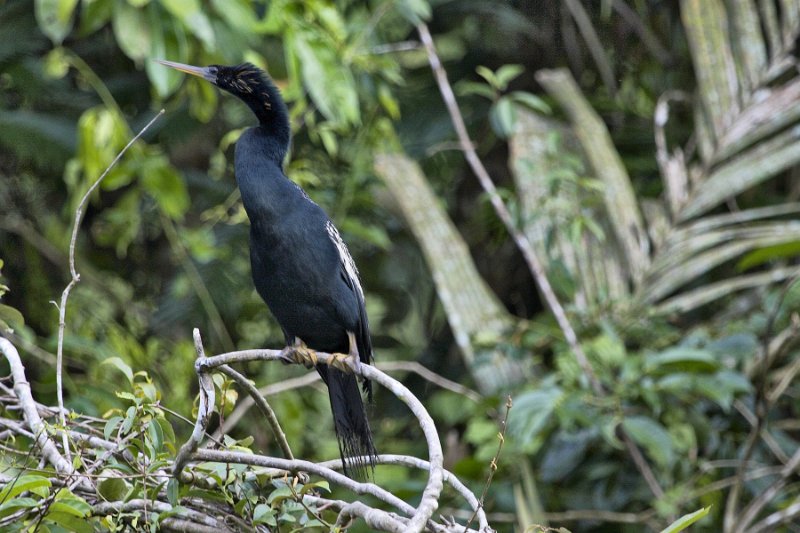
(646, 149)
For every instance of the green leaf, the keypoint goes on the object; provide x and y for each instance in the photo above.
(686, 520)
(758, 257)
(264, 514)
(70, 503)
(317, 485)
(238, 14)
(130, 418)
(464, 88)
(503, 116)
(532, 411)
(9, 506)
(156, 435)
(164, 183)
(132, 30)
(190, 13)
(10, 317)
(532, 101)
(652, 437)
(95, 15)
(69, 521)
(388, 101)
(111, 426)
(55, 18)
(120, 365)
(723, 387)
(682, 359)
(506, 74)
(414, 11)
(173, 491)
(487, 74)
(112, 488)
(31, 483)
(278, 495)
(329, 82)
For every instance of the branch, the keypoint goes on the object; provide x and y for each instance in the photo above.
(522, 242)
(197, 522)
(203, 364)
(493, 465)
(525, 246)
(310, 378)
(23, 391)
(62, 308)
(205, 408)
(241, 409)
(449, 478)
(263, 406)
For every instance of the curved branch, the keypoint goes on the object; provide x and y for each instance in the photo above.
(430, 495)
(414, 462)
(23, 391)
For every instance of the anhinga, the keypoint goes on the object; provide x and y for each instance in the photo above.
(300, 265)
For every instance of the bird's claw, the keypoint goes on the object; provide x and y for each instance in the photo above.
(299, 353)
(349, 363)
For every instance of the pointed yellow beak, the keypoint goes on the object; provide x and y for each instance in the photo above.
(202, 72)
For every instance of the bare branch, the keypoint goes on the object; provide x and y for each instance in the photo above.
(521, 240)
(274, 388)
(430, 495)
(204, 409)
(429, 375)
(22, 389)
(263, 406)
(199, 522)
(493, 466)
(449, 478)
(75, 277)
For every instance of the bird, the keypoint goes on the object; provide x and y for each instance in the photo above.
(301, 267)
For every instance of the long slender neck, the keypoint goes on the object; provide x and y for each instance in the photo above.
(266, 191)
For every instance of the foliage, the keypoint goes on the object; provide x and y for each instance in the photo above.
(673, 284)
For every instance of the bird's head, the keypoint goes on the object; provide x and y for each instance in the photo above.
(248, 83)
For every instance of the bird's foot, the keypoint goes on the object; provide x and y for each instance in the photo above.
(350, 362)
(299, 353)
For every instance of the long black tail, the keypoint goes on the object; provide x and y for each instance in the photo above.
(351, 424)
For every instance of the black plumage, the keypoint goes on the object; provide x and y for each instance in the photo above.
(300, 265)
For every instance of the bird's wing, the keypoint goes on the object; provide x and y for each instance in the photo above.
(350, 271)
(349, 274)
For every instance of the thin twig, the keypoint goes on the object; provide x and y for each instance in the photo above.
(523, 243)
(263, 406)
(75, 278)
(493, 465)
(521, 240)
(732, 522)
(429, 375)
(593, 43)
(244, 406)
(641, 463)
